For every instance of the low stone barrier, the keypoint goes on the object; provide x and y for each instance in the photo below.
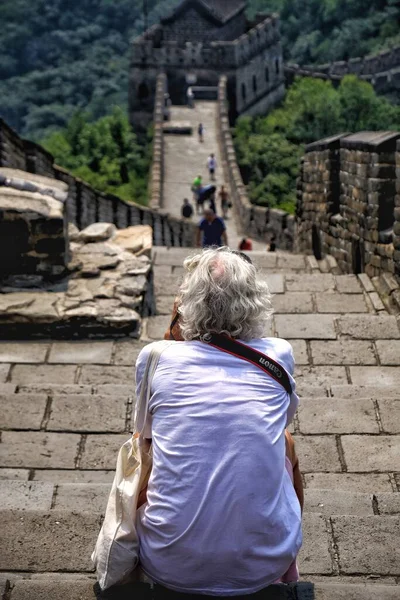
(258, 222)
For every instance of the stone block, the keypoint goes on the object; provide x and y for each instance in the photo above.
(88, 413)
(4, 371)
(354, 591)
(314, 557)
(327, 415)
(300, 352)
(54, 388)
(348, 284)
(368, 544)
(22, 411)
(101, 451)
(264, 260)
(371, 453)
(375, 375)
(90, 497)
(389, 410)
(319, 376)
(342, 352)
(42, 541)
(362, 391)
(293, 302)
(98, 375)
(317, 453)
(340, 303)
(169, 285)
(59, 476)
(376, 301)
(28, 589)
(291, 262)
(164, 305)
(157, 326)
(339, 503)
(170, 256)
(14, 474)
(306, 327)
(81, 352)
(39, 450)
(44, 374)
(369, 327)
(23, 352)
(127, 351)
(388, 352)
(275, 281)
(26, 495)
(310, 283)
(388, 504)
(349, 482)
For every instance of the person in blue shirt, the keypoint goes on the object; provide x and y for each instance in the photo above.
(211, 230)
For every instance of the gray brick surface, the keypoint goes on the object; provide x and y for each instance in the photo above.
(340, 303)
(300, 352)
(4, 371)
(39, 450)
(389, 410)
(23, 352)
(346, 591)
(101, 451)
(349, 482)
(59, 476)
(100, 375)
(295, 262)
(369, 327)
(334, 415)
(314, 556)
(90, 497)
(317, 453)
(363, 391)
(81, 352)
(275, 281)
(342, 352)
(338, 503)
(320, 376)
(54, 388)
(157, 326)
(388, 504)
(14, 474)
(169, 284)
(22, 411)
(27, 589)
(388, 352)
(88, 413)
(384, 376)
(372, 453)
(164, 305)
(348, 284)
(368, 544)
(306, 326)
(26, 495)
(310, 283)
(43, 374)
(293, 302)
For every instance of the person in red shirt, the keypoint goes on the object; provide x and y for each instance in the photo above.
(245, 244)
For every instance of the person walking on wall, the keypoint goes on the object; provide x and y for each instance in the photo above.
(224, 199)
(187, 209)
(212, 165)
(211, 230)
(200, 132)
(190, 97)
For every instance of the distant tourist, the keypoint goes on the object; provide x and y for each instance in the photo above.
(200, 131)
(211, 231)
(272, 244)
(196, 189)
(224, 199)
(187, 209)
(167, 107)
(246, 244)
(190, 97)
(212, 165)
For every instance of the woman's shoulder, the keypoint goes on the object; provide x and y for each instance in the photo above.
(279, 348)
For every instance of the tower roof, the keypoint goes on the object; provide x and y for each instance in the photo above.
(219, 11)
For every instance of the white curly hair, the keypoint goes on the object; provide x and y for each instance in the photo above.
(222, 293)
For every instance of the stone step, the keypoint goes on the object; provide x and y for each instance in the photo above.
(54, 540)
(75, 586)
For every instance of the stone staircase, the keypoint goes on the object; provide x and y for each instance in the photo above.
(66, 407)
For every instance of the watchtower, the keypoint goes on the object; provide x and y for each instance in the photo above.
(196, 44)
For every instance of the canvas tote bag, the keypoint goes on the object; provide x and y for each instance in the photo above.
(117, 548)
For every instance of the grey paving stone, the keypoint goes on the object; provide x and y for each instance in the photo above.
(172, 256)
(91, 497)
(321, 376)
(32, 449)
(101, 451)
(300, 352)
(369, 327)
(349, 482)
(375, 375)
(348, 284)
(362, 391)
(293, 302)
(340, 303)
(23, 352)
(88, 413)
(22, 411)
(388, 351)
(346, 591)
(157, 326)
(343, 352)
(81, 352)
(314, 556)
(295, 262)
(309, 391)
(126, 352)
(310, 283)
(368, 544)
(73, 476)
(164, 305)
(4, 370)
(264, 260)
(53, 388)
(28, 589)
(100, 375)
(372, 453)
(161, 271)
(376, 301)
(317, 453)
(26, 495)
(339, 503)
(7, 388)
(47, 541)
(116, 389)
(306, 326)
(388, 504)
(389, 410)
(335, 415)
(275, 281)
(44, 374)
(14, 474)
(168, 285)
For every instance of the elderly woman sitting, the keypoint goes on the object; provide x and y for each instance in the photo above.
(222, 516)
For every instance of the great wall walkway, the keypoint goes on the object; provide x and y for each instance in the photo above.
(66, 407)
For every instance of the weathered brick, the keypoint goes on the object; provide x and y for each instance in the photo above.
(349, 482)
(100, 375)
(348, 284)
(294, 262)
(388, 504)
(164, 305)
(300, 352)
(4, 371)
(369, 327)
(317, 453)
(92, 497)
(375, 376)
(101, 451)
(59, 476)
(319, 376)
(388, 351)
(372, 453)
(306, 326)
(275, 281)
(353, 591)
(26, 495)
(22, 411)
(329, 415)
(314, 557)
(44, 374)
(340, 303)
(81, 352)
(23, 352)
(78, 589)
(14, 474)
(389, 410)
(39, 450)
(339, 503)
(362, 391)
(88, 413)
(293, 302)
(310, 283)
(343, 352)
(157, 326)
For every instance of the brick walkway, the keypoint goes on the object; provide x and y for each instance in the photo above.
(66, 407)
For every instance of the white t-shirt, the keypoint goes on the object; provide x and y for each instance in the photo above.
(222, 516)
(212, 162)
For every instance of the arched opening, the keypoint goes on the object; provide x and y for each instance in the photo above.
(277, 66)
(316, 242)
(143, 92)
(267, 74)
(254, 83)
(357, 256)
(243, 91)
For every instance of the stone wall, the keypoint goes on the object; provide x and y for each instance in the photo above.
(86, 205)
(197, 27)
(156, 173)
(396, 226)
(258, 222)
(346, 202)
(381, 70)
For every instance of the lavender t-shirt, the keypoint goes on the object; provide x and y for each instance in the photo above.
(222, 516)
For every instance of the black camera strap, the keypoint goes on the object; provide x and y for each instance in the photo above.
(264, 362)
